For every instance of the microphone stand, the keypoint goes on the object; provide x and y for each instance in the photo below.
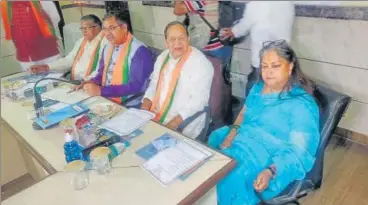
(37, 96)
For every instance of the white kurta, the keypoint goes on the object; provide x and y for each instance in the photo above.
(81, 66)
(265, 21)
(192, 92)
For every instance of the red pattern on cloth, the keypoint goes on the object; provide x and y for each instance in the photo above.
(29, 42)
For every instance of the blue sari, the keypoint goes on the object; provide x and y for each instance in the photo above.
(280, 129)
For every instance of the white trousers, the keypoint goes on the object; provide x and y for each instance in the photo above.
(26, 65)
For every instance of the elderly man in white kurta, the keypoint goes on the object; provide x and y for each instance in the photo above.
(83, 59)
(180, 83)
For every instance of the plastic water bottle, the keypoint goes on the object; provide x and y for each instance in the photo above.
(72, 150)
(116, 149)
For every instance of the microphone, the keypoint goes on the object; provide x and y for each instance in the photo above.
(38, 101)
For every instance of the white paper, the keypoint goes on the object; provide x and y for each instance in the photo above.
(171, 163)
(61, 94)
(128, 121)
(57, 106)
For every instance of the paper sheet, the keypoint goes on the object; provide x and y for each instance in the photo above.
(128, 121)
(61, 94)
(173, 162)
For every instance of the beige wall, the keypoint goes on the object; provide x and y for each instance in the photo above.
(8, 65)
(331, 51)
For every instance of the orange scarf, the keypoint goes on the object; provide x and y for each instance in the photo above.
(94, 58)
(6, 11)
(161, 114)
(120, 73)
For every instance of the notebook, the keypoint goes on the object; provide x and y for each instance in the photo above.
(63, 94)
(127, 122)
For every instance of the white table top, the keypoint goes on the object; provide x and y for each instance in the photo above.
(127, 184)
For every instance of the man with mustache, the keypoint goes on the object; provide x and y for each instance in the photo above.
(125, 65)
(84, 58)
(180, 83)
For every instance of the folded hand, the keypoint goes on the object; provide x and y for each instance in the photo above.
(229, 139)
(262, 181)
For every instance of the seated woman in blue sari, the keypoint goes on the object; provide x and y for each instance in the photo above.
(275, 137)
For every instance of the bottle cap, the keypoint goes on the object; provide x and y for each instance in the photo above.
(68, 137)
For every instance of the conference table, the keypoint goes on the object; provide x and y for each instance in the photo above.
(127, 184)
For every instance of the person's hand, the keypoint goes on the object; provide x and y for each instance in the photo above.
(172, 125)
(175, 122)
(226, 33)
(229, 139)
(92, 89)
(80, 86)
(146, 105)
(262, 181)
(35, 69)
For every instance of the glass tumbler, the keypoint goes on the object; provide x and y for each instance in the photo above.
(100, 160)
(80, 176)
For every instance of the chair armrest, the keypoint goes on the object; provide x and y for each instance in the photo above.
(67, 74)
(134, 97)
(291, 193)
(203, 134)
(190, 119)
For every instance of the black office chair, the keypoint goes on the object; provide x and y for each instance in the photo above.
(332, 107)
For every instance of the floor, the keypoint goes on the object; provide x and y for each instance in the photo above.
(16, 186)
(345, 177)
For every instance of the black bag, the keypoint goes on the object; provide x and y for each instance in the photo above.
(230, 13)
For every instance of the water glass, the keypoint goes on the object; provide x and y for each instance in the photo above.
(100, 160)
(80, 176)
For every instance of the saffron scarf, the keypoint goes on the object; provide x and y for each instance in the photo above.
(120, 73)
(164, 109)
(93, 61)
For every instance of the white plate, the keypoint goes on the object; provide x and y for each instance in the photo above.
(13, 85)
(103, 109)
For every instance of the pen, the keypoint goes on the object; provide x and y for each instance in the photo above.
(70, 91)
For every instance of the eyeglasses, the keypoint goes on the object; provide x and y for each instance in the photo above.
(111, 28)
(87, 28)
(173, 39)
(277, 42)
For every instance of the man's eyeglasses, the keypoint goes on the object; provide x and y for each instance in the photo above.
(87, 28)
(111, 28)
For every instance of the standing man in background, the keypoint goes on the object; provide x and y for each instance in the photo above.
(203, 23)
(32, 25)
(265, 21)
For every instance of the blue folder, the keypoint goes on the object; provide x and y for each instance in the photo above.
(56, 117)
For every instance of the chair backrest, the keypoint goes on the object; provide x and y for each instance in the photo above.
(220, 95)
(332, 107)
(156, 52)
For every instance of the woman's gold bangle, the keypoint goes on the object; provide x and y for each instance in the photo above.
(235, 127)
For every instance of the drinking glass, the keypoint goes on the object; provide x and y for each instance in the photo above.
(100, 160)
(80, 176)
